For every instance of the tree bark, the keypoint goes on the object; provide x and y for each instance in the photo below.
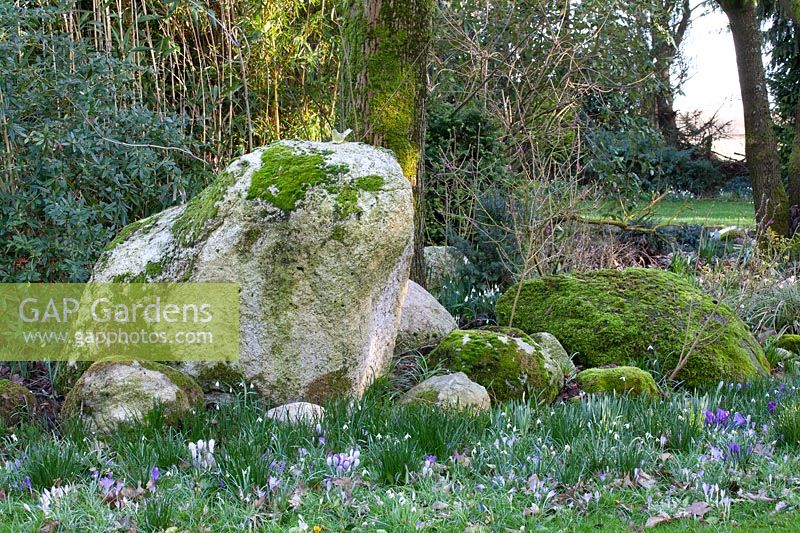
(792, 10)
(664, 53)
(794, 172)
(386, 46)
(769, 194)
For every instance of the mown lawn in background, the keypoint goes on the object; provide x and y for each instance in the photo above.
(708, 212)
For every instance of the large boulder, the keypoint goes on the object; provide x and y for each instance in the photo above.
(450, 391)
(319, 238)
(637, 317)
(617, 380)
(423, 320)
(508, 366)
(111, 393)
(442, 264)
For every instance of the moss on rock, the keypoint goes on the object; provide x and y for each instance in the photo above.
(286, 174)
(67, 374)
(789, 342)
(190, 224)
(637, 317)
(617, 380)
(507, 366)
(17, 403)
(129, 230)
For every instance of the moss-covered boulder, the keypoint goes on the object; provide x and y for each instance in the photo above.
(617, 380)
(110, 393)
(547, 343)
(319, 238)
(789, 342)
(507, 366)
(453, 391)
(17, 403)
(637, 317)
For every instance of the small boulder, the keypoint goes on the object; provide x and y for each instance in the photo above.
(633, 317)
(442, 264)
(16, 402)
(617, 380)
(110, 393)
(453, 390)
(789, 342)
(297, 413)
(553, 349)
(507, 366)
(423, 320)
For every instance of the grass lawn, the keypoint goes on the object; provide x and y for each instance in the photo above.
(708, 212)
(607, 464)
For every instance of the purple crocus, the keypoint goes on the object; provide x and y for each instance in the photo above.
(154, 475)
(106, 483)
(27, 483)
(722, 416)
(710, 418)
(738, 419)
(771, 407)
(734, 448)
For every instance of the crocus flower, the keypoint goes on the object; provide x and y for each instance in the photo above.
(771, 407)
(739, 419)
(106, 482)
(734, 448)
(722, 416)
(710, 419)
(154, 474)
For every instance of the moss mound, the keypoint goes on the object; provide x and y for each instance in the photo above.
(637, 317)
(789, 342)
(16, 402)
(617, 380)
(507, 366)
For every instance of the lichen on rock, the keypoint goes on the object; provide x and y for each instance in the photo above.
(318, 236)
(110, 393)
(637, 317)
(617, 380)
(448, 392)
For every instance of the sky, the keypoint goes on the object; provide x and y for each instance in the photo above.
(713, 84)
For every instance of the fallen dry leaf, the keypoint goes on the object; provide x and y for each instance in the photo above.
(698, 509)
(760, 497)
(661, 518)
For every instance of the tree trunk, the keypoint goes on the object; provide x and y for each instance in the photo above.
(667, 41)
(386, 45)
(666, 117)
(769, 194)
(792, 10)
